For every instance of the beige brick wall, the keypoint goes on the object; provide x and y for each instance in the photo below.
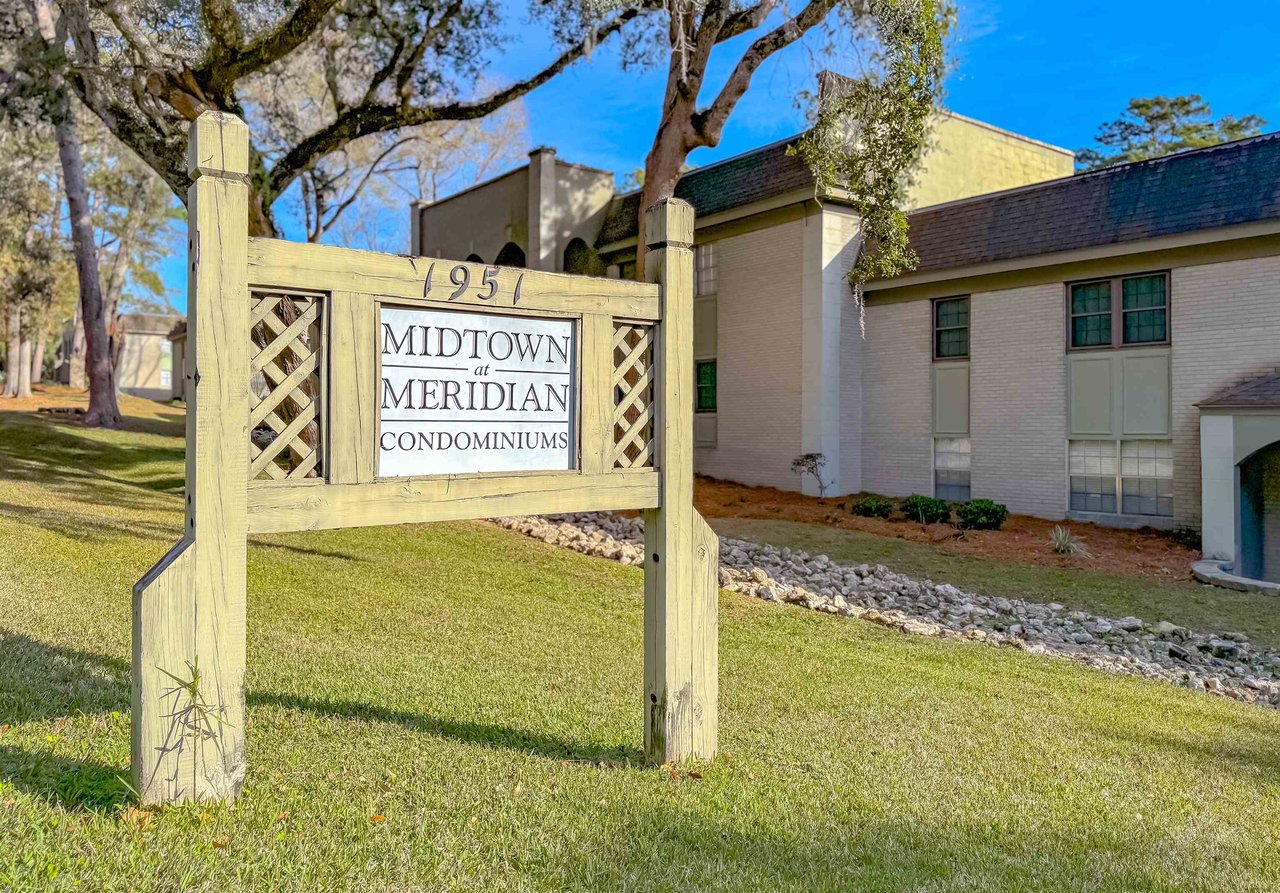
(897, 452)
(1225, 326)
(1017, 403)
(758, 362)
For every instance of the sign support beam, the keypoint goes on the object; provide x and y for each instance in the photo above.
(682, 553)
(189, 610)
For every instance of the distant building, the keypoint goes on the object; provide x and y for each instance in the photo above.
(144, 364)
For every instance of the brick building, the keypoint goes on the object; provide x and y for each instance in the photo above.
(1057, 349)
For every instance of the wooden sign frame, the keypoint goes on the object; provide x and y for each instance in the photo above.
(282, 385)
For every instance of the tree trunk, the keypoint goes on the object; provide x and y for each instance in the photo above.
(23, 370)
(103, 410)
(13, 350)
(75, 360)
(40, 344)
(662, 170)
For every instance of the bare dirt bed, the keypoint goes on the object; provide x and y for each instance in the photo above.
(1141, 553)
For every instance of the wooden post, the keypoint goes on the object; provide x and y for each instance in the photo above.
(189, 610)
(682, 554)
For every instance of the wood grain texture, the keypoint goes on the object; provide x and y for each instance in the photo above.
(276, 508)
(422, 280)
(189, 611)
(596, 419)
(681, 551)
(351, 423)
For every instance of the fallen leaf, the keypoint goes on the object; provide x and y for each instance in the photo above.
(282, 816)
(139, 818)
(695, 774)
(376, 819)
(472, 822)
(4, 727)
(220, 842)
(517, 789)
(675, 776)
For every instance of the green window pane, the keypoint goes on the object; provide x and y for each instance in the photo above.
(952, 343)
(952, 313)
(1091, 297)
(1143, 326)
(1143, 291)
(1091, 331)
(705, 375)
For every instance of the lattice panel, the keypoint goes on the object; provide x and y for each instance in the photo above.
(633, 387)
(284, 382)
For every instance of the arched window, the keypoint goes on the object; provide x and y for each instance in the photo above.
(579, 257)
(474, 259)
(511, 255)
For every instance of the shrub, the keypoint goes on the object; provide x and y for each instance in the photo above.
(871, 505)
(926, 509)
(1064, 542)
(981, 514)
(811, 464)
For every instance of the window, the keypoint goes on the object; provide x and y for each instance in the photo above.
(951, 328)
(1146, 475)
(1132, 477)
(704, 269)
(1122, 311)
(951, 468)
(705, 375)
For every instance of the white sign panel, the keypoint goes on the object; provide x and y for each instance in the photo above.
(465, 392)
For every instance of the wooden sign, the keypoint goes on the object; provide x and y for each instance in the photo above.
(465, 392)
(335, 388)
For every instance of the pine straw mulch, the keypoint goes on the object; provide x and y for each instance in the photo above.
(1023, 539)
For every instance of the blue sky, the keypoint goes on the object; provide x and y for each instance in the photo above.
(1052, 71)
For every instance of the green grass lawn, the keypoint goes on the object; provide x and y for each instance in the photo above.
(481, 693)
(1190, 604)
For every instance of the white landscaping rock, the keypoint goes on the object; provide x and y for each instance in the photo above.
(1225, 663)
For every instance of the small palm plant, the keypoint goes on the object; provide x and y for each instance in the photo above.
(1064, 542)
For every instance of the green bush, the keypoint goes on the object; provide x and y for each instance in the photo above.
(926, 509)
(981, 514)
(871, 505)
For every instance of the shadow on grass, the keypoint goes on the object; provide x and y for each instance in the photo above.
(39, 681)
(481, 734)
(71, 784)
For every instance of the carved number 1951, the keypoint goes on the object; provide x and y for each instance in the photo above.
(460, 276)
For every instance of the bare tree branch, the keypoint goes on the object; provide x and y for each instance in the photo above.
(372, 116)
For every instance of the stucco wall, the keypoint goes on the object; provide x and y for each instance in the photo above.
(967, 158)
(758, 367)
(582, 195)
(1225, 325)
(143, 360)
(897, 453)
(831, 377)
(1017, 402)
(479, 221)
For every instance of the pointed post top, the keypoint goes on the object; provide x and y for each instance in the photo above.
(669, 223)
(218, 147)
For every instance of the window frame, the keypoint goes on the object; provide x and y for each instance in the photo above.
(708, 250)
(715, 386)
(1116, 284)
(1119, 477)
(933, 329)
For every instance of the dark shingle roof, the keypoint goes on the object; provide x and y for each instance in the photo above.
(1224, 185)
(759, 174)
(1261, 390)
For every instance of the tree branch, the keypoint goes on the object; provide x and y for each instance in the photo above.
(708, 125)
(372, 117)
(238, 60)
